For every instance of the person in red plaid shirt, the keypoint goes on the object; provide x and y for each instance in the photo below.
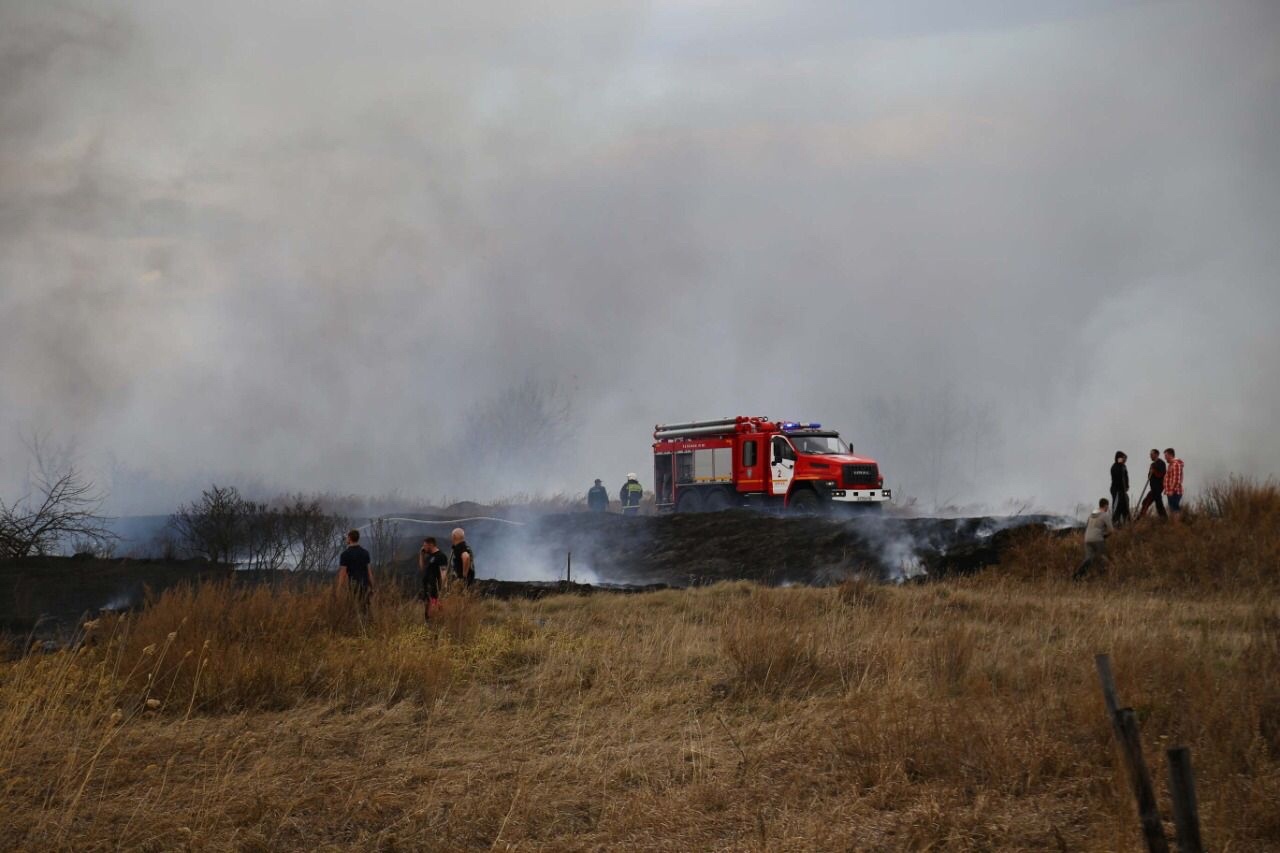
(1173, 482)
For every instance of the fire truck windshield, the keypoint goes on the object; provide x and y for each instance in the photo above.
(821, 445)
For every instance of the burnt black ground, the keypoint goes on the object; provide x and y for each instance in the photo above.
(685, 550)
(39, 594)
(46, 595)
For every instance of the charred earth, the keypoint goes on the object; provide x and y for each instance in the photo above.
(46, 596)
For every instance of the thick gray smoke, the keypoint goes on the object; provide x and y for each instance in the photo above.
(316, 245)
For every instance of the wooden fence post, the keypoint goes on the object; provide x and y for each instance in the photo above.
(1182, 788)
(1108, 681)
(1140, 780)
(1124, 724)
(568, 567)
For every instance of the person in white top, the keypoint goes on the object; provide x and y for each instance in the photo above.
(1096, 531)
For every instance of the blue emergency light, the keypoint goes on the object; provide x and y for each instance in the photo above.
(787, 426)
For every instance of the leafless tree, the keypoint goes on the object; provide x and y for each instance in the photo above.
(265, 538)
(315, 535)
(521, 432)
(934, 445)
(225, 527)
(211, 527)
(61, 504)
(384, 541)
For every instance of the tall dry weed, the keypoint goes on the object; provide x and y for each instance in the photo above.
(1240, 499)
(789, 641)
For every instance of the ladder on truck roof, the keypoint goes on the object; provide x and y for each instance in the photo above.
(690, 429)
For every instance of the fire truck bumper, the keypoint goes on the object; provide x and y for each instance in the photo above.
(862, 495)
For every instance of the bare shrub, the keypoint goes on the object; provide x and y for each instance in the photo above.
(61, 505)
(212, 527)
(384, 541)
(225, 527)
(315, 534)
(97, 548)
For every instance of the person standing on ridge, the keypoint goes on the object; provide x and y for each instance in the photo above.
(462, 560)
(598, 498)
(355, 573)
(630, 495)
(1096, 531)
(1120, 489)
(1155, 487)
(1173, 482)
(432, 564)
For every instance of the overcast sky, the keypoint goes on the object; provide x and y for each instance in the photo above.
(303, 247)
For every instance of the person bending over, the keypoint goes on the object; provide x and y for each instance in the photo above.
(1096, 531)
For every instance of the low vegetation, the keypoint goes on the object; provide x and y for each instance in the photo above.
(956, 715)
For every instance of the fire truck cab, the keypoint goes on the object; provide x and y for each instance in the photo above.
(701, 466)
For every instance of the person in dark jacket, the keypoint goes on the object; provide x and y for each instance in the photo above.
(630, 495)
(462, 560)
(1120, 490)
(598, 498)
(1155, 487)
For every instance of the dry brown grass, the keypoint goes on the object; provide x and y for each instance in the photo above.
(1228, 540)
(962, 715)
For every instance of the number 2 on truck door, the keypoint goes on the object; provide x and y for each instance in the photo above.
(783, 467)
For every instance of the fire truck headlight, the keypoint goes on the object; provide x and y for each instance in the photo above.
(830, 484)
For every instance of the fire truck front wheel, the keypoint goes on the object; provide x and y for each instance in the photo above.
(689, 501)
(804, 502)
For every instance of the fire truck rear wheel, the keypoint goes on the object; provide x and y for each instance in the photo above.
(804, 502)
(689, 501)
(717, 500)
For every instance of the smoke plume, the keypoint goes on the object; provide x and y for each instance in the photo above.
(317, 246)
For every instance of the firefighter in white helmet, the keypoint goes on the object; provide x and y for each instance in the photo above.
(630, 495)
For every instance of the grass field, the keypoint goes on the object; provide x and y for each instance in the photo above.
(959, 715)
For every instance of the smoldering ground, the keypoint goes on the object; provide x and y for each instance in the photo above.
(691, 550)
(48, 596)
(318, 246)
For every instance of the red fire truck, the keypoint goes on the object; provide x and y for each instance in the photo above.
(701, 466)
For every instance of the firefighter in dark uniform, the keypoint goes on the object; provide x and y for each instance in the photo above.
(598, 498)
(630, 494)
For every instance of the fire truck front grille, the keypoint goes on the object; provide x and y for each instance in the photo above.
(861, 475)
